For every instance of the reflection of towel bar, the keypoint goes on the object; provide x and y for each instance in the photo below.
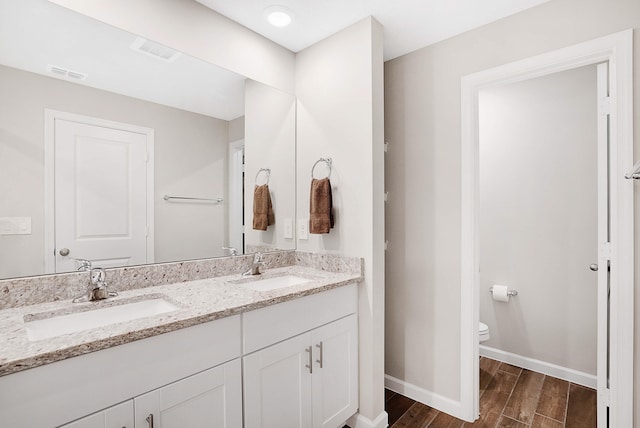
(267, 172)
(184, 198)
(328, 161)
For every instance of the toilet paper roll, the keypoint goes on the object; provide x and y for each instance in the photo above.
(500, 293)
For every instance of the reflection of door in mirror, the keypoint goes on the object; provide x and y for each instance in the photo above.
(102, 199)
(236, 195)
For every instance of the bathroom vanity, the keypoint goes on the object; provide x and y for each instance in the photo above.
(258, 350)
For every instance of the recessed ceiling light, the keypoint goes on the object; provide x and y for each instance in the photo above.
(278, 16)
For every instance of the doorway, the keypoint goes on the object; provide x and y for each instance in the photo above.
(538, 222)
(615, 315)
(99, 203)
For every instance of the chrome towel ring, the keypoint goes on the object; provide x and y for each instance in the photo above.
(327, 161)
(267, 172)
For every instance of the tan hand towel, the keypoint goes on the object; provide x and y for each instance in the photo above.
(321, 206)
(262, 209)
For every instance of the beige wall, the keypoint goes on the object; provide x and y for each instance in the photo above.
(339, 88)
(538, 217)
(190, 159)
(422, 122)
(197, 31)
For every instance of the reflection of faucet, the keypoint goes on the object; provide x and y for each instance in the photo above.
(97, 287)
(83, 265)
(255, 265)
(232, 251)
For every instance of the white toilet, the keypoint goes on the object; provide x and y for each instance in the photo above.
(483, 332)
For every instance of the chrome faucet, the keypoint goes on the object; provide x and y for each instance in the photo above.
(96, 288)
(255, 265)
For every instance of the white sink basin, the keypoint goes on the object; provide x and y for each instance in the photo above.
(79, 321)
(273, 283)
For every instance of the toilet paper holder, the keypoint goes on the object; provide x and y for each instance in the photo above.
(510, 293)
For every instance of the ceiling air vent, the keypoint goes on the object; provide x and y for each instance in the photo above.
(64, 72)
(155, 50)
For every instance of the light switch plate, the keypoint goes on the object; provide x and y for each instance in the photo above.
(303, 228)
(15, 225)
(288, 228)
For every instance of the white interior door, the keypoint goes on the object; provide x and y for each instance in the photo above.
(100, 195)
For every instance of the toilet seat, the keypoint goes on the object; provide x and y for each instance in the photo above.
(483, 332)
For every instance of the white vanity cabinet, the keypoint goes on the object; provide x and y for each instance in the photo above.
(297, 361)
(174, 367)
(335, 377)
(310, 379)
(212, 398)
(119, 416)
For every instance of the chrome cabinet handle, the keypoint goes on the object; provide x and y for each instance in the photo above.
(150, 420)
(64, 252)
(310, 365)
(320, 360)
(593, 267)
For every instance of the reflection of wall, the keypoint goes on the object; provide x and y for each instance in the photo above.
(236, 129)
(538, 231)
(340, 115)
(180, 165)
(422, 122)
(270, 142)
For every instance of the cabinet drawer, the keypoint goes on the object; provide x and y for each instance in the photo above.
(266, 326)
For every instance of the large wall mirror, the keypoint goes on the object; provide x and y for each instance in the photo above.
(121, 151)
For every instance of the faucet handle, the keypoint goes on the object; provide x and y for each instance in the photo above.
(83, 265)
(257, 257)
(232, 250)
(98, 276)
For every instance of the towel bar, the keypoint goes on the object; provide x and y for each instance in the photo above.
(184, 198)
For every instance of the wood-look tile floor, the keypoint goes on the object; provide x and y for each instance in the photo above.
(510, 397)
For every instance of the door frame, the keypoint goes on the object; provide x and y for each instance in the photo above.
(50, 116)
(617, 50)
(236, 195)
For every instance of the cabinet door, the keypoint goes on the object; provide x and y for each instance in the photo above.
(212, 398)
(277, 385)
(335, 374)
(119, 416)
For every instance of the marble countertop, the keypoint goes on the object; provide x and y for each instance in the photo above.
(198, 301)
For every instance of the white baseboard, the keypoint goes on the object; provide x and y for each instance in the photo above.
(431, 399)
(359, 421)
(564, 373)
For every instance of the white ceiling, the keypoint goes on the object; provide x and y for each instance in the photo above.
(34, 33)
(408, 24)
